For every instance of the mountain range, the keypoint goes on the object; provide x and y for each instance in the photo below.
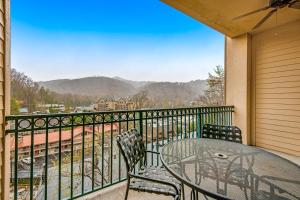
(118, 87)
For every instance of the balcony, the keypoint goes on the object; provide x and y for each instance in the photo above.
(66, 156)
(71, 156)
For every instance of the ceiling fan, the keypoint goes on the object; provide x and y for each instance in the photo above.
(274, 5)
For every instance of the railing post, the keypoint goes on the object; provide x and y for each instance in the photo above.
(140, 115)
(198, 123)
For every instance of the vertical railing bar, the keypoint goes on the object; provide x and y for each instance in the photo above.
(120, 117)
(197, 121)
(163, 127)
(215, 114)
(227, 118)
(228, 111)
(59, 159)
(72, 154)
(218, 115)
(82, 154)
(157, 137)
(127, 120)
(134, 118)
(102, 152)
(140, 118)
(16, 160)
(201, 118)
(207, 116)
(152, 146)
(230, 116)
(194, 125)
(185, 129)
(111, 147)
(31, 157)
(210, 115)
(172, 118)
(177, 116)
(146, 134)
(93, 153)
(185, 115)
(141, 123)
(46, 160)
(189, 123)
(224, 117)
(168, 126)
(181, 129)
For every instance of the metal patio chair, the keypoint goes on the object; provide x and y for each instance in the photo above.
(152, 179)
(228, 133)
(220, 132)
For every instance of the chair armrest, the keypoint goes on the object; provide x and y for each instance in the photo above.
(154, 180)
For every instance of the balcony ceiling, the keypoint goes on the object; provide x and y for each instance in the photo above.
(218, 14)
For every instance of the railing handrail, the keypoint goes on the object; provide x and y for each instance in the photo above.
(12, 117)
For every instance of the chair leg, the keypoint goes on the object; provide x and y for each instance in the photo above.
(127, 188)
(182, 186)
(193, 196)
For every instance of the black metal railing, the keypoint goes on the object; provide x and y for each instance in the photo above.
(65, 156)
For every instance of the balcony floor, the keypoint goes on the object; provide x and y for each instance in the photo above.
(117, 192)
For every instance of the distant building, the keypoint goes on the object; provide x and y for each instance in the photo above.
(108, 103)
(23, 111)
(105, 104)
(47, 107)
(90, 108)
(121, 104)
(24, 143)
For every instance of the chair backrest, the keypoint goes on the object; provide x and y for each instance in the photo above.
(132, 147)
(228, 133)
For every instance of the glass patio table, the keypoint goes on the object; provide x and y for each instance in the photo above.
(227, 170)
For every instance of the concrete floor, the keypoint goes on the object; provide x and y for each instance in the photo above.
(117, 192)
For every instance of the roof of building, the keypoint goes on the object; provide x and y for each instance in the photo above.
(40, 138)
(23, 110)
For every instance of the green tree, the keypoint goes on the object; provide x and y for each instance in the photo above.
(14, 106)
(214, 94)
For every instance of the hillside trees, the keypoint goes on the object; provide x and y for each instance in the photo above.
(23, 90)
(140, 99)
(27, 93)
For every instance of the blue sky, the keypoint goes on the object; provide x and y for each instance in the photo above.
(133, 39)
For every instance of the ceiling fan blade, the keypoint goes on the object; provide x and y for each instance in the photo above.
(252, 12)
(264, 19)
(295, 4)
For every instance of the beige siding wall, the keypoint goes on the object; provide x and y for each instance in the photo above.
(2, 34)
(4, 94)
(276, 58)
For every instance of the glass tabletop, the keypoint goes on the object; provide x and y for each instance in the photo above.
(231, 170)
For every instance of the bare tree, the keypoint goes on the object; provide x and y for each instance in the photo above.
(140, 99)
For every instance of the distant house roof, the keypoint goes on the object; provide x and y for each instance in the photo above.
(53, 137)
